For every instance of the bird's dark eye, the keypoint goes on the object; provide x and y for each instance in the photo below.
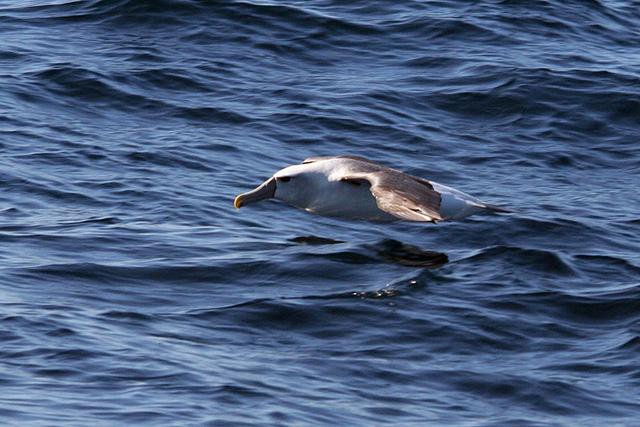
(284, 178)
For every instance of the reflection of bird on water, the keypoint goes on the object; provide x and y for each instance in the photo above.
(396, 252)
(387, 250)
(357, 188)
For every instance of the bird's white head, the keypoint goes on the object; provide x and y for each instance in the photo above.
(293, 184)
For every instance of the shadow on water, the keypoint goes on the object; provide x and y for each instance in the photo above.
(396, 252)
(387, 250)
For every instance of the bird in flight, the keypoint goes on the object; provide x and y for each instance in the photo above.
(357, 188)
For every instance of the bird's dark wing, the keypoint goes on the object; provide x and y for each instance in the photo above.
(402, 195)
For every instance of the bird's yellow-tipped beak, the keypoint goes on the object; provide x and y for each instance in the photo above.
(237, 202)
(265, 191)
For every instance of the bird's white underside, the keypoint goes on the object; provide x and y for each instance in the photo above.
(341, 199)
(455, 204)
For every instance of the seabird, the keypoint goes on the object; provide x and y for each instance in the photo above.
(357, 188)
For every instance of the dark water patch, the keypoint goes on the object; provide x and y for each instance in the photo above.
(168, 159)
(128, 315)
(432, 28)
(314, 240)
(546, 262)
(54, 354)
(631, 344)
(125, 276)
(104, 220)
(276, 15)
(10, 55)
(387, 292)
(169, 79)
(434, 62)
(347, 257)
(147, 57)
(68, 80)
(293, 315)
(605, 266)
(615, 361)
(210, 114)
(115, 11)
(610, 309)
(328, 122)
(551, 397)
(8, 336)
(56, 373)
(61, 332)
(237, 392)
(484, 104)
(42, 186)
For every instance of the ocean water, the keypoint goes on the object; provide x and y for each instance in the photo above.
(133, 293)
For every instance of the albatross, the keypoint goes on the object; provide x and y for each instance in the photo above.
(357, 188)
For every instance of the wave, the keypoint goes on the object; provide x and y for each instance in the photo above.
(126, 128)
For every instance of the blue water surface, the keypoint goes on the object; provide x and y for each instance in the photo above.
(133, 293)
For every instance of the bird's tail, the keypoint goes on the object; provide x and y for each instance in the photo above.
(498, 209)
